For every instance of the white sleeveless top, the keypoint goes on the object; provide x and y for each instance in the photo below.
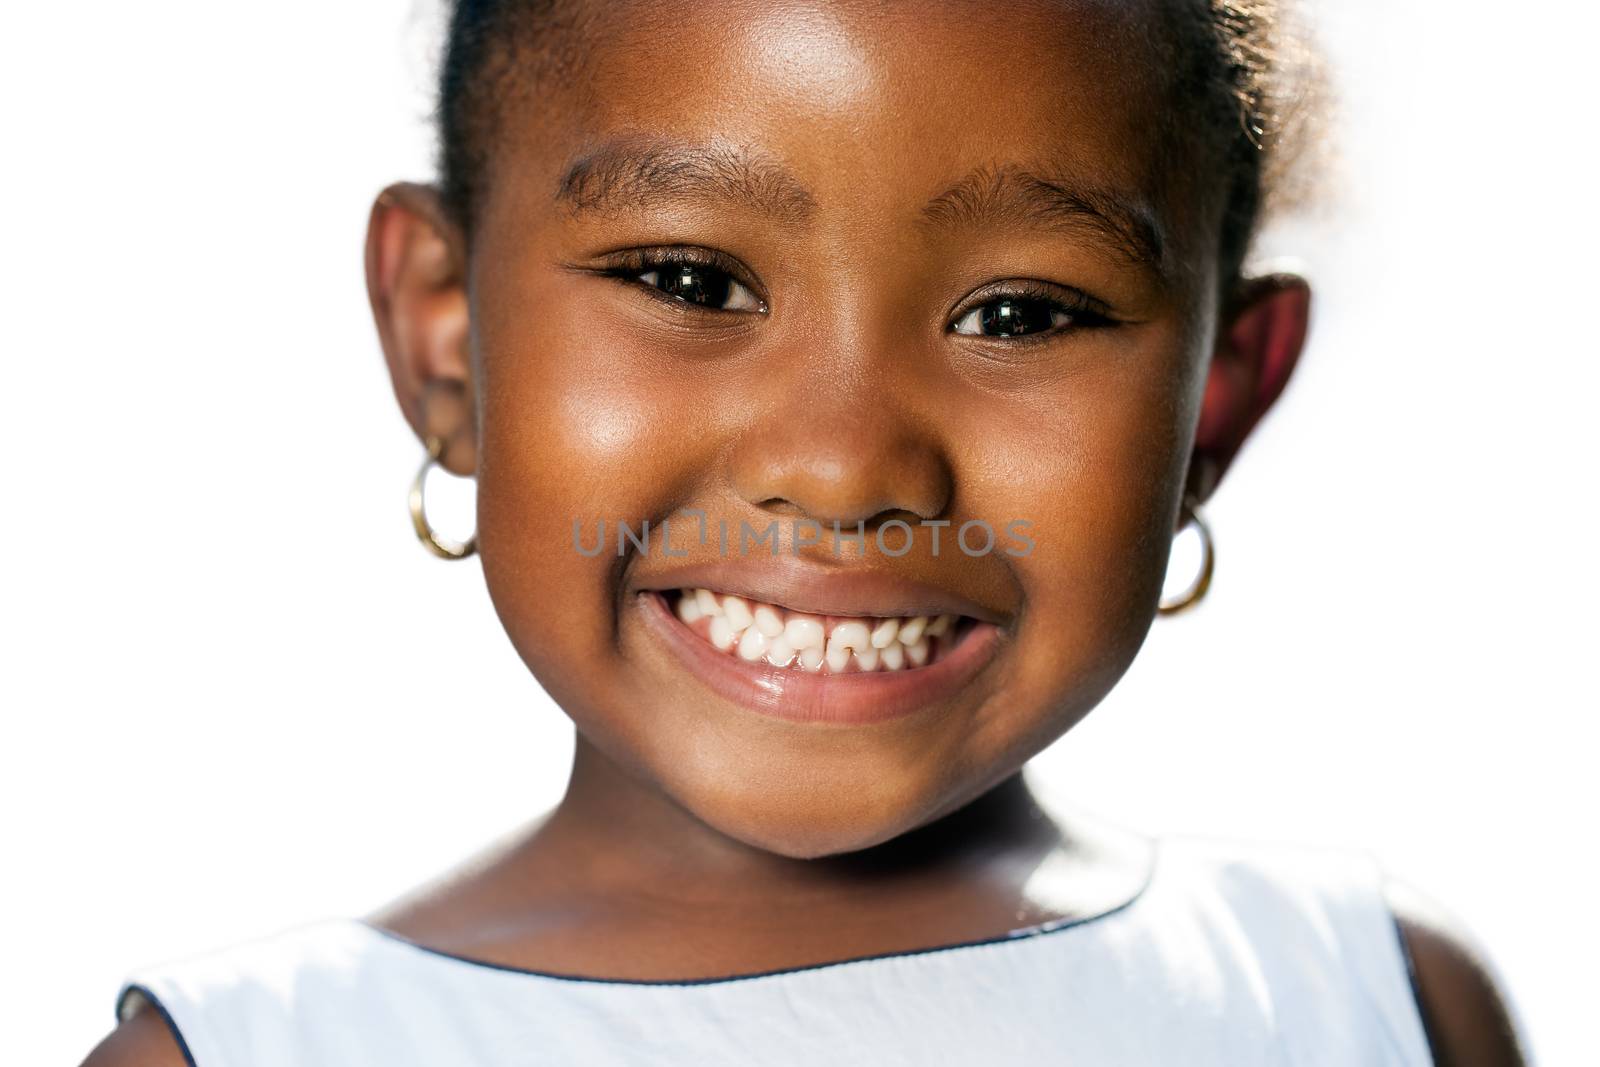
(1232, 955)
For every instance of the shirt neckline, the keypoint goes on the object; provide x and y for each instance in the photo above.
(1019, 936)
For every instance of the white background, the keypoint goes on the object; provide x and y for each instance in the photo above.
(237, 695)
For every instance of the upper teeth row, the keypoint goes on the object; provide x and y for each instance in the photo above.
(762, 631)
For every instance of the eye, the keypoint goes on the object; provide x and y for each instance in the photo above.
(686, 276)
(1030, 310)
(1010, 317)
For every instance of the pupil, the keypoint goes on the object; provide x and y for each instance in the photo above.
(1008, 317)
(696, 284)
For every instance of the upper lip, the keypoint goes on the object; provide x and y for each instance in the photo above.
(799, 584)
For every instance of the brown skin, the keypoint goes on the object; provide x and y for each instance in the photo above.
(692, 828)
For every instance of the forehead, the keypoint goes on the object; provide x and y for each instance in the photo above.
(840, 110)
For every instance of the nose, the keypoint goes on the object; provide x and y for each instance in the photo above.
(844, 452)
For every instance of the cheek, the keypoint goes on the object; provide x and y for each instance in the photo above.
(572, 433)
(1095, 462)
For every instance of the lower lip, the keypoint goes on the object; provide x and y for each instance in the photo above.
(833, 699)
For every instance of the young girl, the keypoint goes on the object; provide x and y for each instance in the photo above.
(835, 377)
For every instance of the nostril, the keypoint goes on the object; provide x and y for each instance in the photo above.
(827, 468)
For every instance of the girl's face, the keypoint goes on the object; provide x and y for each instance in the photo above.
(834, 263)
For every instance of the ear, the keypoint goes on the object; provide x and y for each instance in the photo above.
(416, 282)
(1257, 349)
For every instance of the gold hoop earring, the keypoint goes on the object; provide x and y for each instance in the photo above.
(440, 547)
(1208, 563)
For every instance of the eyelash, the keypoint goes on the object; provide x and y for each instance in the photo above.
(639, 261)
(1084, 311)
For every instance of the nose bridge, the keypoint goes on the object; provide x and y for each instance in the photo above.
(837, 441)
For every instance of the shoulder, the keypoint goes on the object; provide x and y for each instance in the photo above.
(144, 1040)
(234, 1004)
(1468, 1017)
(1336, 915)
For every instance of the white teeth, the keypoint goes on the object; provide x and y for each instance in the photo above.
(846, 637)
(804, 631)
(779, 652)
(764, 632)
(689, 610)
(753, 645)
(851, 635)
(883, 636)
(722, 634)
(768, 621)
(738, 612)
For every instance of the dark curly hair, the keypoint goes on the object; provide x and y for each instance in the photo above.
(1245, 67)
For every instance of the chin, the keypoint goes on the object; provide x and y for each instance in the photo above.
(805, 838)
(813, 819)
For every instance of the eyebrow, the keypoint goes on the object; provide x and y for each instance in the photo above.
(624, 172)
(1012, 194)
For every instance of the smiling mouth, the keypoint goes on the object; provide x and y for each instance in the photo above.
(772, 635)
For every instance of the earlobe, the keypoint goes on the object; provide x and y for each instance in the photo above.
(1257, 351)
(416, 283)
